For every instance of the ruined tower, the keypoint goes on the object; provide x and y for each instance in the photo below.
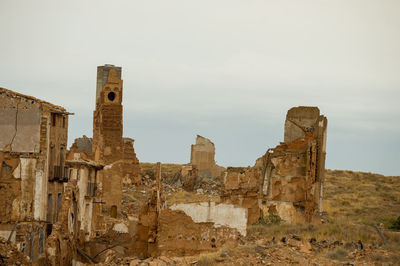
(107, 118)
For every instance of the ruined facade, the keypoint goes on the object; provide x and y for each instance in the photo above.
(84, 175)
(293, 172)
(288, 180)
(32, 154)
(75, 224)
(48, 197)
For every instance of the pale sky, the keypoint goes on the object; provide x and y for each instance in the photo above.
(224, 69)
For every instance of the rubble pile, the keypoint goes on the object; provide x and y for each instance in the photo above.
(10, 254)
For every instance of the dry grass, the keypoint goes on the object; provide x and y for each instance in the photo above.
(353, 201)
(228, 249)
(337, 254)
(208, 259)
(361, 198)
(330, 231)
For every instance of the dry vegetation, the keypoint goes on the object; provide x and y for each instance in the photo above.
(354, 202)
(362, 198)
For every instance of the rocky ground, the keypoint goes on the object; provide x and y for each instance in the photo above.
(291, 250)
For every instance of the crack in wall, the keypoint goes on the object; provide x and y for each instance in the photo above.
(303, 128)
(16, 127)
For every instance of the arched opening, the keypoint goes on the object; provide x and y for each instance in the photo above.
(111, 96)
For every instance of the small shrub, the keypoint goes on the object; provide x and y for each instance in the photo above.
(395, 224)
(337, 254)
(207, 259)
(271, 219)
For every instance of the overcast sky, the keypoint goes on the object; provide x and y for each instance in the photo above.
(224, 69)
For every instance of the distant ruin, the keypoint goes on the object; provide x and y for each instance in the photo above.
(202, 164)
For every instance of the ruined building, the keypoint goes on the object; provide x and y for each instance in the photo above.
(107, 118)
(185, 228)
(108, 147)
(51, 198)
(202, 163)
(288, 180)
(76, 223)
(293, 172)
(33, 146)
(91, 204)
(64, 207)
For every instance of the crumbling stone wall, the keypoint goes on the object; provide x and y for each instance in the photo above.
(179, 235)
(288, 179)
(82, 146)
(293, 172)
(131, 169)
(185, 229)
